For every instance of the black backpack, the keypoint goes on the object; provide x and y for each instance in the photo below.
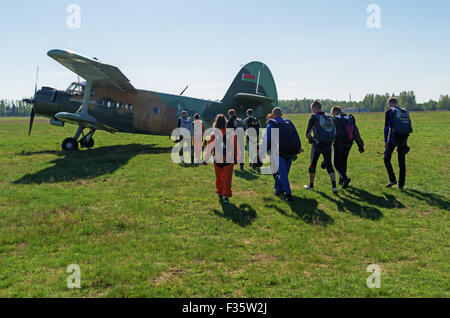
(346, 129)
(290, 143)
(402, 122)
(252, 122)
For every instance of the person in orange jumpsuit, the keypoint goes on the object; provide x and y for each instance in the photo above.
(223, 168)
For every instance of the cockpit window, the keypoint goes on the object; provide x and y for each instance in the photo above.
(77, 89)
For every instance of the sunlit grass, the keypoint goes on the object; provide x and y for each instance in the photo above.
(139, 225)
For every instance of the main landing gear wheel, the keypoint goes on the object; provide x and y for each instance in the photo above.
(70, 144)
(88, 144)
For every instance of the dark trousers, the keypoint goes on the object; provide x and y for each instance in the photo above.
(316, 151)
(401, 143)
(341, 152)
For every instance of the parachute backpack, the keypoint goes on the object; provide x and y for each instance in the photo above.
(345, 130)
(324, 128)
(238, 123)
(290, 143)
(402, 122)
(252, 122)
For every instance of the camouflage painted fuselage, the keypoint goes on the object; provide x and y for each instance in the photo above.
(147, 112)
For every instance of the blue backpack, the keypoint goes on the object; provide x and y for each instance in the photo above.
(324, 128)
(402, 122)
(346, 128)
(290, 143)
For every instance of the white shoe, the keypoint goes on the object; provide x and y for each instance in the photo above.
(307, 187)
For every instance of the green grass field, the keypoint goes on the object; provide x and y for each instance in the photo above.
(139, 225)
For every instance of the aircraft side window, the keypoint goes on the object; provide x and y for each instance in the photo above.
(101, 102)
(128, 106)
(109, 104)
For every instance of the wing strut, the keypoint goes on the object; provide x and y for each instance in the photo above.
(86, 97)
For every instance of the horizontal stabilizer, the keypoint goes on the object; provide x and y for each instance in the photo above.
(252, 98)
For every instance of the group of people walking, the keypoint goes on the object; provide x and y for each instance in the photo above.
(327, 134)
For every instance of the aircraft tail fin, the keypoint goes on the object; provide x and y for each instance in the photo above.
(253, 86)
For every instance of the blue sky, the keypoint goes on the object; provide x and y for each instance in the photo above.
(315, 49)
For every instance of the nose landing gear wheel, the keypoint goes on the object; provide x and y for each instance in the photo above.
(70, 144)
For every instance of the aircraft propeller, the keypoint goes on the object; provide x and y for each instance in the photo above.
(31, 101)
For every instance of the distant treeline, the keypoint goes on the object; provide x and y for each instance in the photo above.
(9, 108)
(372, 103)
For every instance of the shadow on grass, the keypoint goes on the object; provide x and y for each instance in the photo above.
(243, 215)
(430, 198)
(387, 202)
(344, 204)
(87, 164)
(42, 152)
(189, 165)
(244, 174)
(306, 210)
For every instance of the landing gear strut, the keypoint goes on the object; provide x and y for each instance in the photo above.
(86, 141)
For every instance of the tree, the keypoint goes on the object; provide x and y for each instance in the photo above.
(2, 108)
(444, 102)
(408, 100)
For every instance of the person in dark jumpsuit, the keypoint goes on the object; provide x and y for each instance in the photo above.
(392, 141)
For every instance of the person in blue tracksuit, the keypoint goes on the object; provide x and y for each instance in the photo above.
(282, 184)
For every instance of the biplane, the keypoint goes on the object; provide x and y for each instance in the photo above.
(106, 100)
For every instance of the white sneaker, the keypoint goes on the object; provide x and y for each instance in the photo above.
(307, 187)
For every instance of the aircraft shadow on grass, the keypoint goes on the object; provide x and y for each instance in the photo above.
(344, 204)
(87, 164)
(304, 209)
(433, 199)
(242, 215)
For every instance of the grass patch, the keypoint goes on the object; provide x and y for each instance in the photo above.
(140, 226)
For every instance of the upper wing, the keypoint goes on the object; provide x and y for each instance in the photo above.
(100, 74)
